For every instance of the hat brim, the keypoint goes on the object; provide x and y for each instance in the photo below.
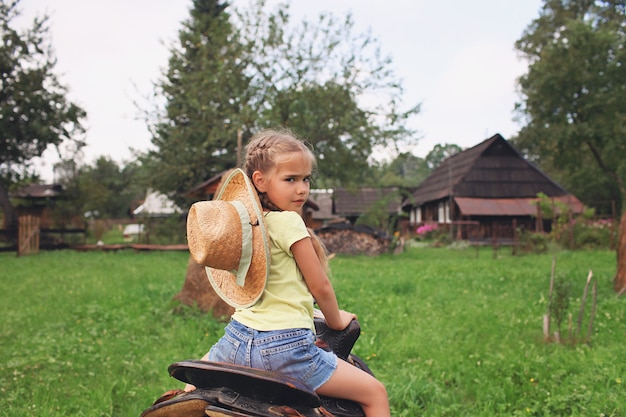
(237, 187)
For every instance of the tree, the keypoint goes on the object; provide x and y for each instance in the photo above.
(574, 94)
(105, 189)
(330, 85)
(440, 152)
(405, 171)
(34, 110)
(251, 70)
(205, 90)
(332, 122)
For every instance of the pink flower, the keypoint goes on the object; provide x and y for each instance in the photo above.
(425, 228)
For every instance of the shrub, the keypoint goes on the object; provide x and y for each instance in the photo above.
(532, 242)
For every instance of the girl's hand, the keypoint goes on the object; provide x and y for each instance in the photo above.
(346, 318)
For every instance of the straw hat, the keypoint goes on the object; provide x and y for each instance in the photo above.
(229, 237)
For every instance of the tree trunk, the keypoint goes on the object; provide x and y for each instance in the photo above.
(619, 283)
(10, 215)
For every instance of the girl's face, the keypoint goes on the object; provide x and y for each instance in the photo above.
(287, 184)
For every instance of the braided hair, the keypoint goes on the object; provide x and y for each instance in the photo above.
(264, 146)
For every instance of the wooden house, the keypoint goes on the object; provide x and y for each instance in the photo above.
(207, 189)
(486, 192)
(351, 204)
(324, 215)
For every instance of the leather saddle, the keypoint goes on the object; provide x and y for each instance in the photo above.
(224, 390)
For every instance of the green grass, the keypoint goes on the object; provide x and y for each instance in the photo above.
(450, 333)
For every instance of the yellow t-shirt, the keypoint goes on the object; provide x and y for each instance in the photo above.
(286, 302)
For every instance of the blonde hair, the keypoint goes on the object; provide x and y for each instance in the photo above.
(261, 154)
(265, 145)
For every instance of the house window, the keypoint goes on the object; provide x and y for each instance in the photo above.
(416, 216)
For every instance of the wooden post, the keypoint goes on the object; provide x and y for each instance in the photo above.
(546, 327)
(594, 292)
(514, 249)
(494, 239)
(546, 317)
(582, 303)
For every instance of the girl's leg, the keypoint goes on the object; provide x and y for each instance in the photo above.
(354, 384)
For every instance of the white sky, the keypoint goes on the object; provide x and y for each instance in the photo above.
(455, 57)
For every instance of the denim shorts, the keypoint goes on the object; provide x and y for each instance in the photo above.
(291, 352)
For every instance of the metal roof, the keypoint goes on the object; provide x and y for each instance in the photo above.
(510, 206)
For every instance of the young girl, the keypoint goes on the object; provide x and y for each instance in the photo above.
(277, 331)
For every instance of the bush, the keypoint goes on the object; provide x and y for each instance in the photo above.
(532, 242)
(592, 235)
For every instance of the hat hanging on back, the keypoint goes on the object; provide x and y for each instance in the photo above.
(229, 237)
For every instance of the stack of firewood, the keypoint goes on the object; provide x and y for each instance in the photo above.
(353, 242)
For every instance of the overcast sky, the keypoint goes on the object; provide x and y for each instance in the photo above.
(455, 57)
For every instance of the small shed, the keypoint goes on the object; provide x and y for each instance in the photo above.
(486, 192)
(37, 222)
(38, 199)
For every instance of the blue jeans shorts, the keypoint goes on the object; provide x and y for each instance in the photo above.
(291, 352)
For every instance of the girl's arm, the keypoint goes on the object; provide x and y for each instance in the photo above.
(318, 283)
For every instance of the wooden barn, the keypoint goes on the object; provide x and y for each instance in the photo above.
(485, 193)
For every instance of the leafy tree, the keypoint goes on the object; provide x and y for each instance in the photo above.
(405, 171)
(34, 110)
(105, 189)
(332, 122)
(589, 185)
(574, 94)
(251, 70)
(330, 85)
(110, 188)
(440, 152)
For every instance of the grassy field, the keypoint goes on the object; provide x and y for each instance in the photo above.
(450, 333)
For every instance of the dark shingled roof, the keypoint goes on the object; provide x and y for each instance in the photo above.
(491, 169)
(39, 191)
(356, 202)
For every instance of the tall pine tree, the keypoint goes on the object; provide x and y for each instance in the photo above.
(206, 93)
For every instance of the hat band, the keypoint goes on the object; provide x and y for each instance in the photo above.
(246, 243)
